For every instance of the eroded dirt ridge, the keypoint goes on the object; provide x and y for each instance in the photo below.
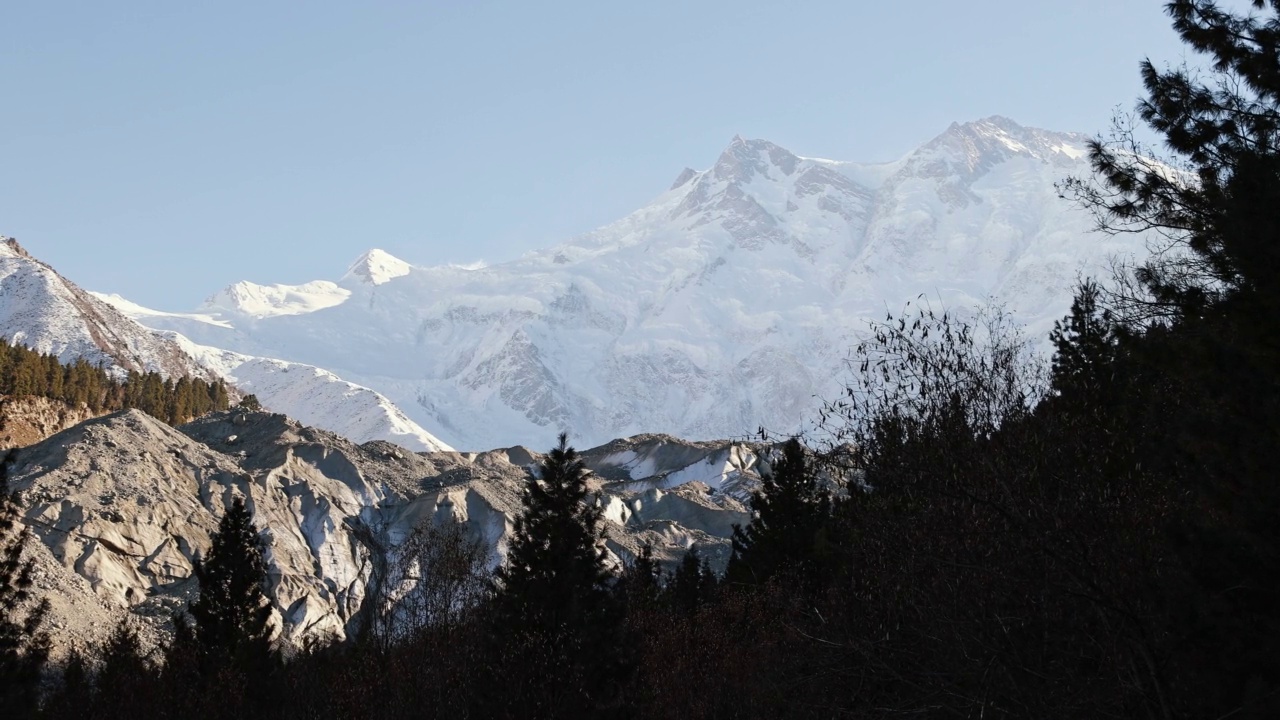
(123, 504)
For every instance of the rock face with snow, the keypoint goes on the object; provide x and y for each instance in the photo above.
(315, 396)
(728, 303)
(44, 311)
(124, 504)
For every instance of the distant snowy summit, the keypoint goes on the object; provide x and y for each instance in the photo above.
(260, 301)
(45, 311)
(728, 302)
(253, 301)
(377, 267)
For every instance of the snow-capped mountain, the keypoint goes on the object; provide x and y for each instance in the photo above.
(316, 397)
(46, 312)
(727, 303)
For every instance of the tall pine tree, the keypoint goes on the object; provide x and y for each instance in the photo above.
(790, 509)
(23, 647)
(555, 578)
(232, 613)
(692, 584)
(1203, 314)
(554, 599)
(1085, 344)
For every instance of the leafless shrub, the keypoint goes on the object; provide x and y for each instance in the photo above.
(433, 579)
(927, 373)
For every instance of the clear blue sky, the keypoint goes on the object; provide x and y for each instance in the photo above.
(165, 149)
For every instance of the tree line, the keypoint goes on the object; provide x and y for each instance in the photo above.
(967, 533)
(26, 372)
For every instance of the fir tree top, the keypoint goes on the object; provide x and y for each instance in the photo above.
(232, 613)
(555, 574)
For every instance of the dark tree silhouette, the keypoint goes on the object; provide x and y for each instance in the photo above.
(641, 579)
(692, 584)
(790, 509)
(250, 403)
(554, 600)
(23, 646)
(125, 679)
(555, 579)
(232, 613)
(1212, 203)
(1085, 344)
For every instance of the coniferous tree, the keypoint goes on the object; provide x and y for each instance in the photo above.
(554, 598)
(124, 678)
(1215, 210)
(790, 509)
(218, 394)
(232, 613)
(25, 372)
(641, 579)
(74, 692)
(185, 671)
(1085, 344)
(23, 646)
(692, 583)
(555, 578)
(1201, 322)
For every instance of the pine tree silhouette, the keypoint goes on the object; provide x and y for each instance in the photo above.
(74, 692)
(790, 509)
(120, 689)
(641, 579)
(1085, 344)
(554, 601)
(232, 613)
(23, 646)
(555, 579)
(692, 583)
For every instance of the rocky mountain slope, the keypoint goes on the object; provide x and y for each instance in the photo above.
(28, 419)
(727, 303)
(123, 504)
(47, 312)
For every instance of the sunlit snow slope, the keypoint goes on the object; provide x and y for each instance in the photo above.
(46, 312)
(727, 303)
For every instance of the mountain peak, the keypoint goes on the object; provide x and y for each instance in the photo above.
(376, 267)
(48, 313)
(264, 301)
(743, 158)
(685, 176)
(998, 121)
(971, 146)
(9, 246)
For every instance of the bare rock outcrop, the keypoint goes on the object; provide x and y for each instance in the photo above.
(27, 419)
(124, 505)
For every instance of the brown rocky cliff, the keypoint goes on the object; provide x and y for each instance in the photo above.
(28, 419)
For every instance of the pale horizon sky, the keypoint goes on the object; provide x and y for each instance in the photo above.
(163, 151)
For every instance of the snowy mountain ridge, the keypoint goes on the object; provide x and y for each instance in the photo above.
(728, 302)
(43, 310)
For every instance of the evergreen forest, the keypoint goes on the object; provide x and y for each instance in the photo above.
(25, 372)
